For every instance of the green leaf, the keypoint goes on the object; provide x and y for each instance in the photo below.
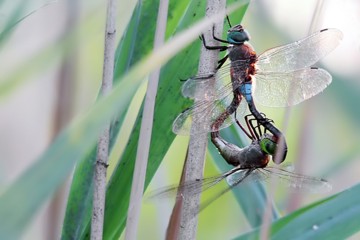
(14, 12)
(79, 203)
(169, 103)
(50, 170)
(119, 187)
(55, 164)
(336, 217)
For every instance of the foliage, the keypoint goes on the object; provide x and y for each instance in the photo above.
(331, 218)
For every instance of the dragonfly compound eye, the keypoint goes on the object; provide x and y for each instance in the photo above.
(268, 146)
(237, 35)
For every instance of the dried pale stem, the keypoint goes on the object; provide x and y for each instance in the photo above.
(97, 221)
(198, 143)
(145, 132)
(63, 113)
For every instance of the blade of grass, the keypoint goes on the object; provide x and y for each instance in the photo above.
(145, 131)
(169, 104)
(336, 217)
(80, 198)
(43, 59)
(63, 112)
(52, 167)
(165, 112)
(17, 13)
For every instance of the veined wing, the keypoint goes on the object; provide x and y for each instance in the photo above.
(300, 54)
(289, 178)
(245, 176)
(207, 88)
(190, 187)
(295, 180)
(197, 186)
(281, 89)
(206, 112)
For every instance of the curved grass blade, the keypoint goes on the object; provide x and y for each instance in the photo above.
(79, 204)
(54, 165)
(336, 217)
(169, 104)
(168, 94)
(15, 12)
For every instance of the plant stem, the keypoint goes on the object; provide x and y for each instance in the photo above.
(64, 104)
(97, 221)
(145, 132)
(198, 143)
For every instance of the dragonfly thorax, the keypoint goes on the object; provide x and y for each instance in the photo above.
(242, 52)
(243, 59)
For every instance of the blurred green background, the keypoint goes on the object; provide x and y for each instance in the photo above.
(64, 40)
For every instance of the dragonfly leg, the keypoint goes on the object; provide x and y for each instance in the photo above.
(216, 38)
(220, 48)
(249, 135)
(252, 129)
(257, 127)
(228, 20)
(268, 120)
(261, 122)
(222, 61)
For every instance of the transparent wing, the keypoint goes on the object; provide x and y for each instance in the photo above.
(206, 88)
(286, 89)
(296, 181)
(244, 176)
(206, 112)
(300, 54)
(191, 187)
(291, 179)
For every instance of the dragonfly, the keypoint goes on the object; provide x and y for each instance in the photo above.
(283, 76)
(257, 154)
(251, 165)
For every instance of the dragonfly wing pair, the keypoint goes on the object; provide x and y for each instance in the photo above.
(288, 178)
(284, 77)
(238, 175)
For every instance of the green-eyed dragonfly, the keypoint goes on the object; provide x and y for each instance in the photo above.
(251, 164)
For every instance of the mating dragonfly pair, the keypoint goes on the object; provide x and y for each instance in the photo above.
(284, 76)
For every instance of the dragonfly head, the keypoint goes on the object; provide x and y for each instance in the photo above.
(237, 35)
(269, 145)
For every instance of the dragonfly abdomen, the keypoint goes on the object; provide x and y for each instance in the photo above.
(250, 156)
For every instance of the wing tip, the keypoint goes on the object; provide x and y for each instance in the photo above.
(335, 30)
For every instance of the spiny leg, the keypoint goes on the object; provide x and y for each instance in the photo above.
(220, 48)
(249, 135)
(216, 38)
(228, 20)
(251, 127)
(222, 61)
